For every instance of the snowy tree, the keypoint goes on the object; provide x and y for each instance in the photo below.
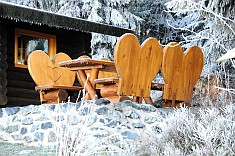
(208, 24)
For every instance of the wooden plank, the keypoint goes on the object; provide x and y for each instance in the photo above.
(86, 67)
(48, 87)
(83, 62)
(105, 81)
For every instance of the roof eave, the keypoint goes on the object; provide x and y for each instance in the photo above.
(36, 16)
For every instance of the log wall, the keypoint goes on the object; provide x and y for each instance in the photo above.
(20, 86)
(3, 64)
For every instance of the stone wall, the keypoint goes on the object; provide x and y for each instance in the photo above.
(43, 125)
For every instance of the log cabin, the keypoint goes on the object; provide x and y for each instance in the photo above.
(24, 29)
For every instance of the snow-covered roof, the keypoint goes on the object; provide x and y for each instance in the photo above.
(37, 16)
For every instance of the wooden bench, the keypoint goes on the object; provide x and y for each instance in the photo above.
(180, 72)
(136, 66)
(54, 83)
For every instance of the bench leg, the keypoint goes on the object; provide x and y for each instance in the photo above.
(53, 96)
(135, 99)
(148, 100)
(109, 92)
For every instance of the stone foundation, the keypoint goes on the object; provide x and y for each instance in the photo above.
(42, 125)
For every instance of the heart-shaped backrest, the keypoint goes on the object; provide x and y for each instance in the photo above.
(181, 71)
(105, 74)
(136, 65)
(44, 71)
(67, 76)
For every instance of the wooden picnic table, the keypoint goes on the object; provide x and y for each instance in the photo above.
(82, 64)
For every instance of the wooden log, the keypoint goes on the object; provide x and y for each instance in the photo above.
(12, 68)
(10, 58)
(54, 96)
(3, 90)
(19, 101)
(20, 84)
(109, 90)
(19, 76)
(3, 64)
(3, 80)
(24, 93)
(3, 100)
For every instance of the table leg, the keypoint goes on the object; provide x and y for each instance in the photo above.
(94, 75)
(88, 86)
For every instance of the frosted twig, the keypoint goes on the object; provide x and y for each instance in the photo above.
(197, 34)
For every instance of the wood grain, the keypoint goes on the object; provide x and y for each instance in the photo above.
(181, 71)
(67, 76)
(44, 71)
(137, 65)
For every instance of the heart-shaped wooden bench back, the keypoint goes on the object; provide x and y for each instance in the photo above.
(137, 65)
(45, 71)
(181, 71)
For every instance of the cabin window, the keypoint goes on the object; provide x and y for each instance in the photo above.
(27, 41)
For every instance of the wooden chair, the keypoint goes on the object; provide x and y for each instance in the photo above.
(54, 83)
(180, 72)
(137, 66)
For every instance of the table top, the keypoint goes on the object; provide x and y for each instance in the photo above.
(87, 63)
